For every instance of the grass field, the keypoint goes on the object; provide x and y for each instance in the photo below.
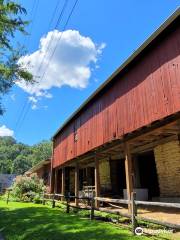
(27, 221)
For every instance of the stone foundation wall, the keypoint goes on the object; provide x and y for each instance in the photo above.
(167, 157)
(105, 178)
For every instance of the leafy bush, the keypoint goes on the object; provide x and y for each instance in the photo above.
(28, 189)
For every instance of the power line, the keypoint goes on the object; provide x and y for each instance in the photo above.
(72, 10)
(24, 112)
(33, 13)
(66, 23)
(52, 36)
(53, 15)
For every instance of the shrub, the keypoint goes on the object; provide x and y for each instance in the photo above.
(27, 189)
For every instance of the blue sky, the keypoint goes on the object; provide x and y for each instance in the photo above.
(103, 34)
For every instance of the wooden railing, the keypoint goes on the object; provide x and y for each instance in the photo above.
(53, 198)
(133, 203)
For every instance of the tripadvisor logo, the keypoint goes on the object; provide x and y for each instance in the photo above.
(139, 231)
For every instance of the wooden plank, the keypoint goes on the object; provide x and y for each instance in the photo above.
(77, 184)
(128, 171)
(149, 146)
(158, 204)
(110, 200)
(143, 203)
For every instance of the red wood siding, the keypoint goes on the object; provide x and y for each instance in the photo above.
(147, 90)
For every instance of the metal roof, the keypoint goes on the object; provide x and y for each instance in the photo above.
(175, 15)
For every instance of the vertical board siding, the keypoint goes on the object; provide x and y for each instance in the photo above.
(147, 91)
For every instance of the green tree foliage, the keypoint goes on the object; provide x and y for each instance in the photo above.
(10, 51)
(41, 151)
(18, 158)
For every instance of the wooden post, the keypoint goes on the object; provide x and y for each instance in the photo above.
(92, 208)
(55, 182)
(43, 199)
(52, 170)
(67, 202)
(52, 180)
(7, 201)
(53, 201)
(63, 183)
(129, 177)
(97, 181)
(133, 212)
(76, 184)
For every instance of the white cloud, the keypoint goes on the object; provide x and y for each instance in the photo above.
(13, 97)
(32, 99)
(71, 64)
(4, 131)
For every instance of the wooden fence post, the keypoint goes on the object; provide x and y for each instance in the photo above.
(7, 201)
(43, 200)
(53, 201)
(133, 212)
(67, 203)
(92, 208)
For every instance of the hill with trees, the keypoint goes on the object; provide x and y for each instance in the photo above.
(17, 157)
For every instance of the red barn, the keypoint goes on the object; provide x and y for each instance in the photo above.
(125, 136)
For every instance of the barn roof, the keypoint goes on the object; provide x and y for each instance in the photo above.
(38, 166)
(137, 52)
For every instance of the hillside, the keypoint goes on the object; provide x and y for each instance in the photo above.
(17, 157)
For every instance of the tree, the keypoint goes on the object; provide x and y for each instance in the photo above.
(21, 164)
(42, 151)
(11, 23)
(18, 157)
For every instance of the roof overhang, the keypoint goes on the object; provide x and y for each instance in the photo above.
(38, 166)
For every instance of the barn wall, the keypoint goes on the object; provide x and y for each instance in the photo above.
(146, 91)
(167, 157)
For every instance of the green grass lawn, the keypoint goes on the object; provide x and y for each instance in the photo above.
(29, 221)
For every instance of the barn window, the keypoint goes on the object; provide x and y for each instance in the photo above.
(75, 136)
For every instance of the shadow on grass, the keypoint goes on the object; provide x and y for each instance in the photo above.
(43, 223)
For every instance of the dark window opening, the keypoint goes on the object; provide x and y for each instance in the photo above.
(118, 178)
(148, 174)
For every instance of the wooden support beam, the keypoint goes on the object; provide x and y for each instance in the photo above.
(77, 184)
(63, 183)
(52, 180)
(56, 181)
(52, 170)
(97, 181)
(129, 173)
(153, 144)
